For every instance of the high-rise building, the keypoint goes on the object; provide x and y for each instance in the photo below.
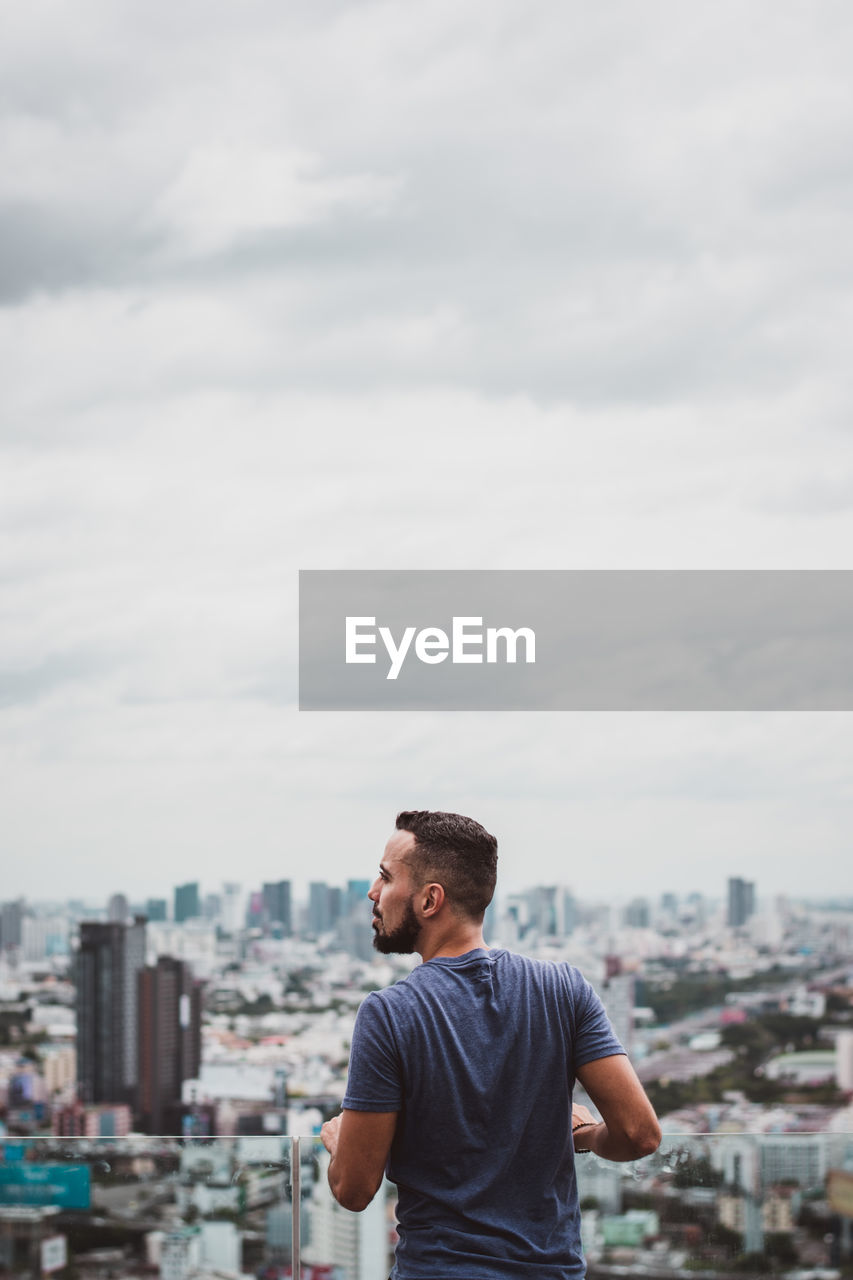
(11, 919)
(357, 891)
(212, 906)
(118, 909)
(741, 901)
(318, 907)
(324, 907)
(255, 910)
(157, 909)
(169, 1040)
(637, 913)
(107, 965)
(232, 897)
(336, 903)
(618, 995)
(187, 902)
(43, 936)
(355, 1242)
(277, 909)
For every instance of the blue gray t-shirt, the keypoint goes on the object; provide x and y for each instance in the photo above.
(478, 1054)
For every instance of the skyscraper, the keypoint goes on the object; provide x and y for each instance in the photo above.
(324, 907)
(277, 905)
(169, 1040)
(107, 965)
(117, 909)
(741, 901)
(357, 891)
(11, 918)
(618, 994)
(638, 913)
(187, 902)
(232, 897)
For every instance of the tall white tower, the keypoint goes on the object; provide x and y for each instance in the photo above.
(355, 1242)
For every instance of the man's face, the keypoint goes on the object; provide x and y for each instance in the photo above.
(395, 925)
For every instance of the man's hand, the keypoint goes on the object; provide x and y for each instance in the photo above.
(582, 1121)
(329, 1135)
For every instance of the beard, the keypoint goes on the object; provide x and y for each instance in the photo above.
(402, 940)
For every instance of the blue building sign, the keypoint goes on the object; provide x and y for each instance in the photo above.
(68, 1186)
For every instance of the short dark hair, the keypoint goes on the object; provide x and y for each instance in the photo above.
(457, 853)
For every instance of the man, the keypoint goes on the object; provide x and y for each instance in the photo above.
(461, 1076)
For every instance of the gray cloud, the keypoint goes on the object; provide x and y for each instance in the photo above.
(616, 213)
(50, 674)
(335, 285)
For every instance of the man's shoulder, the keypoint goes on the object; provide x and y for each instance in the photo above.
(537, 966)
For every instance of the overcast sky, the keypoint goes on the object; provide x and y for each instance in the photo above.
(369, 285)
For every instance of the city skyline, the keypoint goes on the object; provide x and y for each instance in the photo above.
(242, 907)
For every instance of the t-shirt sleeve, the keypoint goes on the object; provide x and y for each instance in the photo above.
(594, 1036)
(375, 1079)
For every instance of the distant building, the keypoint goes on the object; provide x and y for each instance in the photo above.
(255, 910)
(570, 913)
(353, 930)
(752, 1163)
(844, 1061)
(169, 1041)
(59, 1068)
(180, 1253)
(277, 906)
(324, 907)
(157, 909)
(11, 920)
(618, 996)
(542, 910)
(358, 1243)
(357, 891)
(741, 904)
(43, 937)
(638, 913)
(187, 902)
(232, 897)
(118, 909)
(107, 964)
(751, 1217)
(212, 907)
(78, 1121)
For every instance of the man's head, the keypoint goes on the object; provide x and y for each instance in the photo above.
(431, 852)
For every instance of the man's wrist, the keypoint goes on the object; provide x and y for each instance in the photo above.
(576, 1129)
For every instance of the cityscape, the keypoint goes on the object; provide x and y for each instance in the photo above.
(166, 1065)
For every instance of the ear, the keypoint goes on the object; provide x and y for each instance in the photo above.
(432, 898)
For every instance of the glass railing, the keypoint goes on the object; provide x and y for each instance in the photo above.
(774, 1204)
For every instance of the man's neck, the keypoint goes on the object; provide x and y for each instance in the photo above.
(455, 943)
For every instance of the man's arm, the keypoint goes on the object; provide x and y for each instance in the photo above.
(629, 1127)
(358, 1142)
